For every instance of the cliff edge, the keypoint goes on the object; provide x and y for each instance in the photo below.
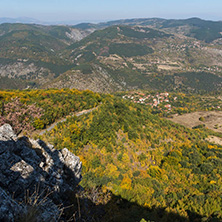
(35, 178)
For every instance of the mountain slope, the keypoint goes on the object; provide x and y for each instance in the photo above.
(30, 53)
(207, 31)
(135, 163)
(146, 160)
(166, 56)
(141, 57)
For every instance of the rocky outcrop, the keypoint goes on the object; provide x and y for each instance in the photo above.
(35, 178)
(97, 81)
(23, 70)
(78, 34)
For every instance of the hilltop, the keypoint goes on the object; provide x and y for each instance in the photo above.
(171, 171)
(136, 162)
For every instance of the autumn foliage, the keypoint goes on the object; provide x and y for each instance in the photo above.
(145, 159)
(35, 109)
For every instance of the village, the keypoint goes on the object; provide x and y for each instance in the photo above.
(169, 103)
(155, 100)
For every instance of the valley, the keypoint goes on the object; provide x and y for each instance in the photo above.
(139, 101)
(148, 54)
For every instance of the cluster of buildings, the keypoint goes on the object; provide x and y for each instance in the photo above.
(203, 69)
(160, 100)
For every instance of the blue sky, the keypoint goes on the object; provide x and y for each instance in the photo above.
(103, 10)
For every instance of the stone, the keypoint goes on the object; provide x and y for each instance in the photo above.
(9, 209)
(72, 162)
(7, 133)
(23, 168)
(34, 167)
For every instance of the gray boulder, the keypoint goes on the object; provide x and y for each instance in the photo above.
(34, 177)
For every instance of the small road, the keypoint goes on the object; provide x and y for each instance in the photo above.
(64, 119)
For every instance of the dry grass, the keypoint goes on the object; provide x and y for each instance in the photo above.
(212, 120)
(33, 203)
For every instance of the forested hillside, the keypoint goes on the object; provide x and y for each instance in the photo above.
(141, 58)
(149, 54)
(35, 109)
(145, 160)
(200, 29)
(139, 164)
(135, 163)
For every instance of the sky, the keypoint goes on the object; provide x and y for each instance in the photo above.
(104, 10)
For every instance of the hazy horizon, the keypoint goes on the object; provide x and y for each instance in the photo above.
(30, 20)
(104, 10)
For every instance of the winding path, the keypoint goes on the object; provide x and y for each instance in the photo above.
(64, 119)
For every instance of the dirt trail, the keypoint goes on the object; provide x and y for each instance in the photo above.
(64, 119)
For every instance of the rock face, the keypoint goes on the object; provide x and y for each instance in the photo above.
(98, 81)
(34, 177)
(78, 34)
(22, 69)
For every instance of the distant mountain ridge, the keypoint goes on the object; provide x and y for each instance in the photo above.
(20, 20)
(117, 55)
(201, 29)
(27, 20)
